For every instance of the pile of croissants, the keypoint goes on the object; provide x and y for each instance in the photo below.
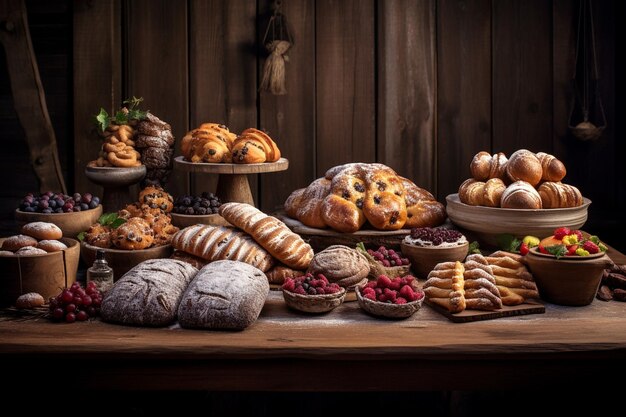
(526, 180)
(215, 143)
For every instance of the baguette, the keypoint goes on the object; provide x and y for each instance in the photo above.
(269, 232)
(214, 243)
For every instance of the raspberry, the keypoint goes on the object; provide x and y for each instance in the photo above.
(395, 284)
(320, 290)
(370, 296)
(419, 294)
(400, 300)
(322, 277)
(390, 294)
(300, 290)
(383, 281)
(382, 298)
(591, 247)
(333, 288)
(371, 284)
(368, 290)
(322, 283)
(407, 279)
(386, 263)
(289, 285)
(561, 232)
(407, 293)
(378, 290)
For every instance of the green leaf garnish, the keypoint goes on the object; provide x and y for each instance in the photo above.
(107, 218)
(473, 248)
(557, 250)
(117, 222)
(102, 119)
(508, 242)
(81, 236)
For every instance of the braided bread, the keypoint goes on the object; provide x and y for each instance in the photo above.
(214, 243)
(269, 232)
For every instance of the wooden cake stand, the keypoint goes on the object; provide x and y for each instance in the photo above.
(232, 184)
(115, 182)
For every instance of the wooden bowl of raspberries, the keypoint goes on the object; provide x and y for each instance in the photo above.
(312, 294)
(396, 298)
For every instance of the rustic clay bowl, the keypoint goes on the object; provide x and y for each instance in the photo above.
(569, 281)
(44, 274)
(184, 220)
(123, 260)
(424, 258)
(321, 303)
(70, 223)
(392, 311)
(489, 222)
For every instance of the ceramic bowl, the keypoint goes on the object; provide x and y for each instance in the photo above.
(392, 311)
(321, 303)
(424, 258)
(184, 220)
(123, 260)
(70, 223)
(44, 274)
(570, 281)
(489, 222)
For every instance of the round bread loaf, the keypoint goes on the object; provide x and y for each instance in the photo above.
(17, 242)
(224, 295)
(51, 245)
(30, 250)
(340, 264)
(42, 230)
(29, 300)
(521, 195)
(6, 253)
(523, 165)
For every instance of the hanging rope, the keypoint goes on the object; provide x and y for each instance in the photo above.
(277, 41)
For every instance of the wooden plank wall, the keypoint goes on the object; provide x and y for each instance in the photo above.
(421, 85)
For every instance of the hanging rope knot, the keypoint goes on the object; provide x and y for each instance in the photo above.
(277, 41)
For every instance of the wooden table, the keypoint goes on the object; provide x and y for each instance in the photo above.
(287, 351)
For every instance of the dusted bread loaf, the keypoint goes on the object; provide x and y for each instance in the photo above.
(269, 232)
(224, 295)
(521, 195)
(341, 264)
(148, 294)
(523, 165)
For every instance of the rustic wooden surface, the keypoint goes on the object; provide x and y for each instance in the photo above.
(406, 100)
(29, 99)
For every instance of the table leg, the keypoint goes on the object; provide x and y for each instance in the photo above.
(234, 187)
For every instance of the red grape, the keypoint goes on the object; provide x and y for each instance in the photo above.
(67, 296)
(70, 317)
(87, 300)
(82, 315)
(58, 313)
(70, 308)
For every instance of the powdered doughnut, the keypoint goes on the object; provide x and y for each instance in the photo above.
(51, 245)
(29, 300)
(17, 242)
(42, 230)
(30, 250)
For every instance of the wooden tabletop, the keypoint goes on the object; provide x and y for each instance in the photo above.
(344, 350)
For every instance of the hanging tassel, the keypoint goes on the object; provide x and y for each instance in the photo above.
(274, 69)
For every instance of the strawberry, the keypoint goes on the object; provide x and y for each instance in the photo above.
(561, 232)
(523, 249)
(591, 247)
(542, 249)
(571, 250)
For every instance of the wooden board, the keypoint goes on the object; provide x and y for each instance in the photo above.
(226, 168)
(465, 316)
(406, 85)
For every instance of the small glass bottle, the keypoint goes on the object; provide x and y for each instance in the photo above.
(101, 273)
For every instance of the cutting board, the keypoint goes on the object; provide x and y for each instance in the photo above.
(529, 307)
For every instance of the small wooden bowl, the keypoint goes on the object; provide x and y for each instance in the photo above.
(392, 311)
(123, 260)
(44, 274)
(314, 303)
(184, 220)
(424, 258)
(70, 223)
(569, 281)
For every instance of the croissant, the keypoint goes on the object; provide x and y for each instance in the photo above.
(553, 169)
(205, 145)
(478, 193)
(213, 243)
(558, 195)
(521, 195)
(485, 166)
(269, 232)
(254, 146)
(523, 165)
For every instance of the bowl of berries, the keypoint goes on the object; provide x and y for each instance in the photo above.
(427, 246)
(189, 210)
(72, 214)
(568, 266)
(396, 298)
(385, 261)
(312, 294)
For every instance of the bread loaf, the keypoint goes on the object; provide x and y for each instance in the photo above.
(214, 243)
(224, 295)
(269, 232)
(309, 209)
(485, 166)
(341, 264)
(42, 230)
(422, 209)
(521, 195)
(148, 294)
(553, 169)
(559, 195)
(523, 165)
(279, 273)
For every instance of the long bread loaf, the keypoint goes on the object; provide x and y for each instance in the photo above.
(215, 243)
(269, 232)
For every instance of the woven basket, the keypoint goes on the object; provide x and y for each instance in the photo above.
(392, 311)
(377, 269)
(321, 303)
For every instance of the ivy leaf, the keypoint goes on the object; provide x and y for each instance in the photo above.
(137, 114)
(102, 119)
(557, 250)
(117, 222)
(473, 248)
(508, 242)
(121, 118)
(81, 236)
(107, 218)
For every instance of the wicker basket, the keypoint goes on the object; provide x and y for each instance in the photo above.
(392, 311)
(377, 269)
(321, 303)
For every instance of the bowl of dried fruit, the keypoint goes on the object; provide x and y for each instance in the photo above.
(425, 247)
(312, 294)
(396, 298)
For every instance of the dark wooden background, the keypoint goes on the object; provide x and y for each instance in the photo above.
(420, 85)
